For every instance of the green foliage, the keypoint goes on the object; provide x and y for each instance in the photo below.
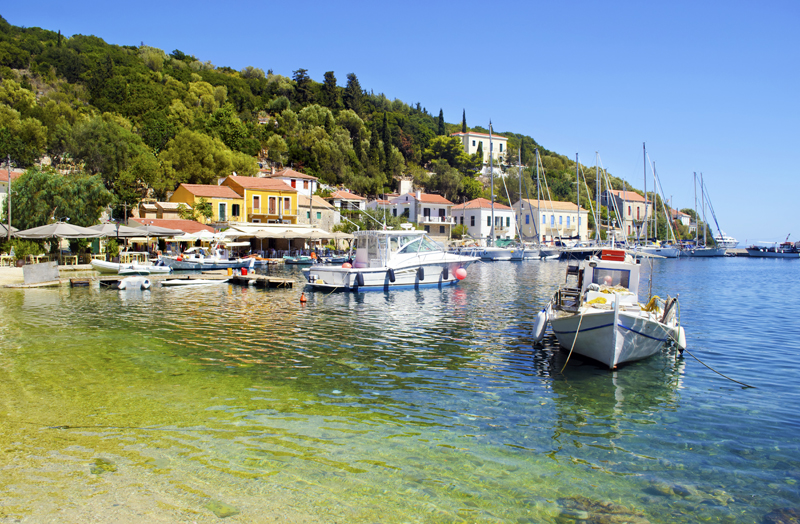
(112, 248)
(459, 232)
(22, 248)
(201, 209)
(45, 196)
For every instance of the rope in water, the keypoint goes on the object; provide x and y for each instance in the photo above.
(717, 372)
(580, 321)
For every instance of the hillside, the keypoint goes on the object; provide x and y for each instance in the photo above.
(143, 121)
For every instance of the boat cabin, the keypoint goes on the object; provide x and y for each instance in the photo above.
(600, 279)
(377, 248)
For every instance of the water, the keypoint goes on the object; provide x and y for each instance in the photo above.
(409, 406)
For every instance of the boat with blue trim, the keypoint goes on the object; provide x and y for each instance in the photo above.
(384, 259)
(597, 313)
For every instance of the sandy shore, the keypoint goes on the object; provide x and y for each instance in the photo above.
(11, 276)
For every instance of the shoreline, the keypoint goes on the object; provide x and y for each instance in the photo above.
(11, 276)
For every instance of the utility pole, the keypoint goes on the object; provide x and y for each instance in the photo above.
(8, 194)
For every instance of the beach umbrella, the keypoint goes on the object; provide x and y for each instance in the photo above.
(112, 229)
(59, 230)
(149, 230)
(4, 230)
(269, 233)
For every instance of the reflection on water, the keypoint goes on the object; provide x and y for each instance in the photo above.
(427, 405)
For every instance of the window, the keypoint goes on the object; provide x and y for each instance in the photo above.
(426, 212)
(489, 221)
(501, 148)
(552, 220)
(273, 206)
(294, 183)
(472, 221)
(567, 220)
(223, 211)
(287, 204)
(560, 220)
(305, 184)
(427, 229)
(629, 229)
(579, 221)
(462, 220)
(544, 219)
(629, 210)
(394, 212)
(473, 143)
(637, 212)
(508, 221)
(256, 204)
(527, 219)
(308, 215)
(441, 229)
(235, 210)
(441, 214)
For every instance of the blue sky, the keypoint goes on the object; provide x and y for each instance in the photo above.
(711, 87)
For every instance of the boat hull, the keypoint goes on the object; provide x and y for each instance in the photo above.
(425, 274)
(632, 337)
(115, 268)
(666, 252)
(704, 252)
(207, 265)
(771, 254)
(495, 254)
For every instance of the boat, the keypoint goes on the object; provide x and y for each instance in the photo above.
(494, 253)
(203, 259)
(701, 250)
(600, 316)
(660, 249)
(783, 250)
(129, 269)
(192, 282)
(725, 241)
(133, 282)
(299, 259)
(390, 259)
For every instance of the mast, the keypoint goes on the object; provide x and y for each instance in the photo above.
(703, 206)
(578, 188)
(696, 221)
(538, 202)
(491, 172)
(646, 228)
(8, 195)
(655, 212)
(597, 184)
(519, 198)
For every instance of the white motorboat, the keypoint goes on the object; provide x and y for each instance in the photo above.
(391, 259)
(192, 282)
(495, 253)
(703, 251)
(600, 317)
(129, 269)
(133, 282)
(660, 250)
(725, 241)
(204, 259)
(524, 252)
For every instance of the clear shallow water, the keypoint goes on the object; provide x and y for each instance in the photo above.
(411, 406)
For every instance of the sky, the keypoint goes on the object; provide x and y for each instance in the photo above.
(710, 87)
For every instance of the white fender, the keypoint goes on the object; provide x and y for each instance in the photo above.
(146, 283)
(540, 325)
(123, 284)
(679, 335)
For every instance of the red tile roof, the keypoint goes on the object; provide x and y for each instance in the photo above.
(429, 198)
(14, 175)
(266, 184)
(211, 191)
(187, 226)
(546, 205)
(344, 195)
(627, 196)
(481, 203)
(291, 173)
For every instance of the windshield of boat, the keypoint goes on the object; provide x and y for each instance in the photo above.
(611, 277)
(418, 245)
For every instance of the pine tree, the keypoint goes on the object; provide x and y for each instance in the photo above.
(442, 130)
(387, 141)
(464, 121)
(353, 94)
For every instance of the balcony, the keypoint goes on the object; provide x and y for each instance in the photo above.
(437, 220)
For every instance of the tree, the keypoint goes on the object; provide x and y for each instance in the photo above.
(303, 94)
(44, 196)
(464, 121)
(479, 153)
(353, 94)
(202, 209)
(193, 157)
(446, 180)
(330, 92)
(276, 149)
(252, 72)
(441, 129)
(450, 149)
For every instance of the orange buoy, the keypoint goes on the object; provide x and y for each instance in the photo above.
(303, 298)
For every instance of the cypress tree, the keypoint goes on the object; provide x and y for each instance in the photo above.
(480, 151)
(464, 121)
(442, 131)
(387, 141)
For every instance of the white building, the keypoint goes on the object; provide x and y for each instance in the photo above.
(550, 219)
(432, 212)
(471, 140)
(304, 184)
(346, 201)
(476, 215)
(632, 208)
(4, 188)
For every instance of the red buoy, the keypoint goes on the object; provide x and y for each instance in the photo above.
(303, 298)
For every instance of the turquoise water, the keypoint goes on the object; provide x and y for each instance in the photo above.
(409, 406)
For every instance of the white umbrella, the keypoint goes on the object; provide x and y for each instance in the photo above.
(111, 229)
(59, 230)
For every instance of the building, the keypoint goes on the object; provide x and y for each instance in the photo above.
(4, 175)
(681, 217)
(432, 212)
(476, 216)
(346, 201)
(226, 204)
(161, 210)
(632, 209)
(471, 140)
(187, 226)
(304, 184)
(265, 200)
(548, 220)
(317, 212)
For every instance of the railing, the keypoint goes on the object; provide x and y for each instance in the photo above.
(438, 220)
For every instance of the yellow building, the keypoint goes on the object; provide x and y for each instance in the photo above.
(266, 200)
(226, 203)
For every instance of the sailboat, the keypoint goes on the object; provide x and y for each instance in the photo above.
(491, 251)
(523, 251)
(699, 250)
(657, 248)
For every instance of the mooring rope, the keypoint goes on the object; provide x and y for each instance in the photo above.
(717, 372)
